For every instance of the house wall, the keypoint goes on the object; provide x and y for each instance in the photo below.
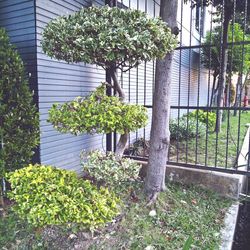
(59, 82)
(189, 78)
(190, 81)
(138, 83)
(18, 18)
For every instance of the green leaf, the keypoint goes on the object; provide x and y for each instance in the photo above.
(188, 243)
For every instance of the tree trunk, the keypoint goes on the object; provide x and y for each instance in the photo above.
(228, 91)
(2, 171)
(223, 71)
(121, 145)
(239, 89)
(2, 194)
(213, 88)
(117, 86)
(160, 134)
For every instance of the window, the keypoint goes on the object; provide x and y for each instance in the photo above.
(199, 19)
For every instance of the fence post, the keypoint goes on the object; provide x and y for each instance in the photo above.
(109, 146)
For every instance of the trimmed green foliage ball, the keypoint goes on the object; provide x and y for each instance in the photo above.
(207, 118)
(19, 121)
(45, 195)
(97, 113)
(186, 128)
(110, 171)
(108, 37)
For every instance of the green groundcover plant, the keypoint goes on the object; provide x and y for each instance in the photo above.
(208, 118)
(108, 170)
(186, 128)
(45, 195)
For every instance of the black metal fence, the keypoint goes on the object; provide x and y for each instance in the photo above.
(210, 87)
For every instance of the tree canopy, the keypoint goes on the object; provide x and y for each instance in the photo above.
(236, 56)
(108, 37)
(97, 113)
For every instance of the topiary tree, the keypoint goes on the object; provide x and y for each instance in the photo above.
(19, 121)
(112, 38)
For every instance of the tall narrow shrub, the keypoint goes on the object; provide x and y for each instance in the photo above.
(19, 122)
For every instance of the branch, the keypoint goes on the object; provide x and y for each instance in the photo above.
(117, 86)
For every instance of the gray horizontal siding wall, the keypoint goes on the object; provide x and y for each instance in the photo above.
(59, 82)
(190, 82)
(138, 82)
(18, 18)
(187, 81)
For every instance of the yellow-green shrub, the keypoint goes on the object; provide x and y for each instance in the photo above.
(45, 195)
(97, 113)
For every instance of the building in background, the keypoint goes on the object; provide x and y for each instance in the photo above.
(56, 81)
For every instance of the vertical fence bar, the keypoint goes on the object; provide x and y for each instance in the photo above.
(180, 79)
(137, 81)
(229, 85)
(199, 79)
(2, 181)
(154, 14)
(242, 66)
(129, 83)
(108, 93)
(145, 78)
(209, 84)
(220, 77)
(189, 74)
(248, 156)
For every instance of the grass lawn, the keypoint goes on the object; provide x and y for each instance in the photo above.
(182, 213)
(222, 148)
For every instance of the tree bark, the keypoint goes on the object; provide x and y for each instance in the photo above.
(2, 204)
(237, 97)
(213, 88)
(121, 145)
(160, 134)
(239, 89)
(223, 71)
(117, 86)
(228, 90)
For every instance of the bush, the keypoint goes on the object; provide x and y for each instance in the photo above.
(108, 37)
(97, 113)
(208, 118)
(19, 121)
(181, 131)
(109, 170)
(45, 195)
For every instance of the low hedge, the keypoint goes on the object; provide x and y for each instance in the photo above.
(45, 195)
